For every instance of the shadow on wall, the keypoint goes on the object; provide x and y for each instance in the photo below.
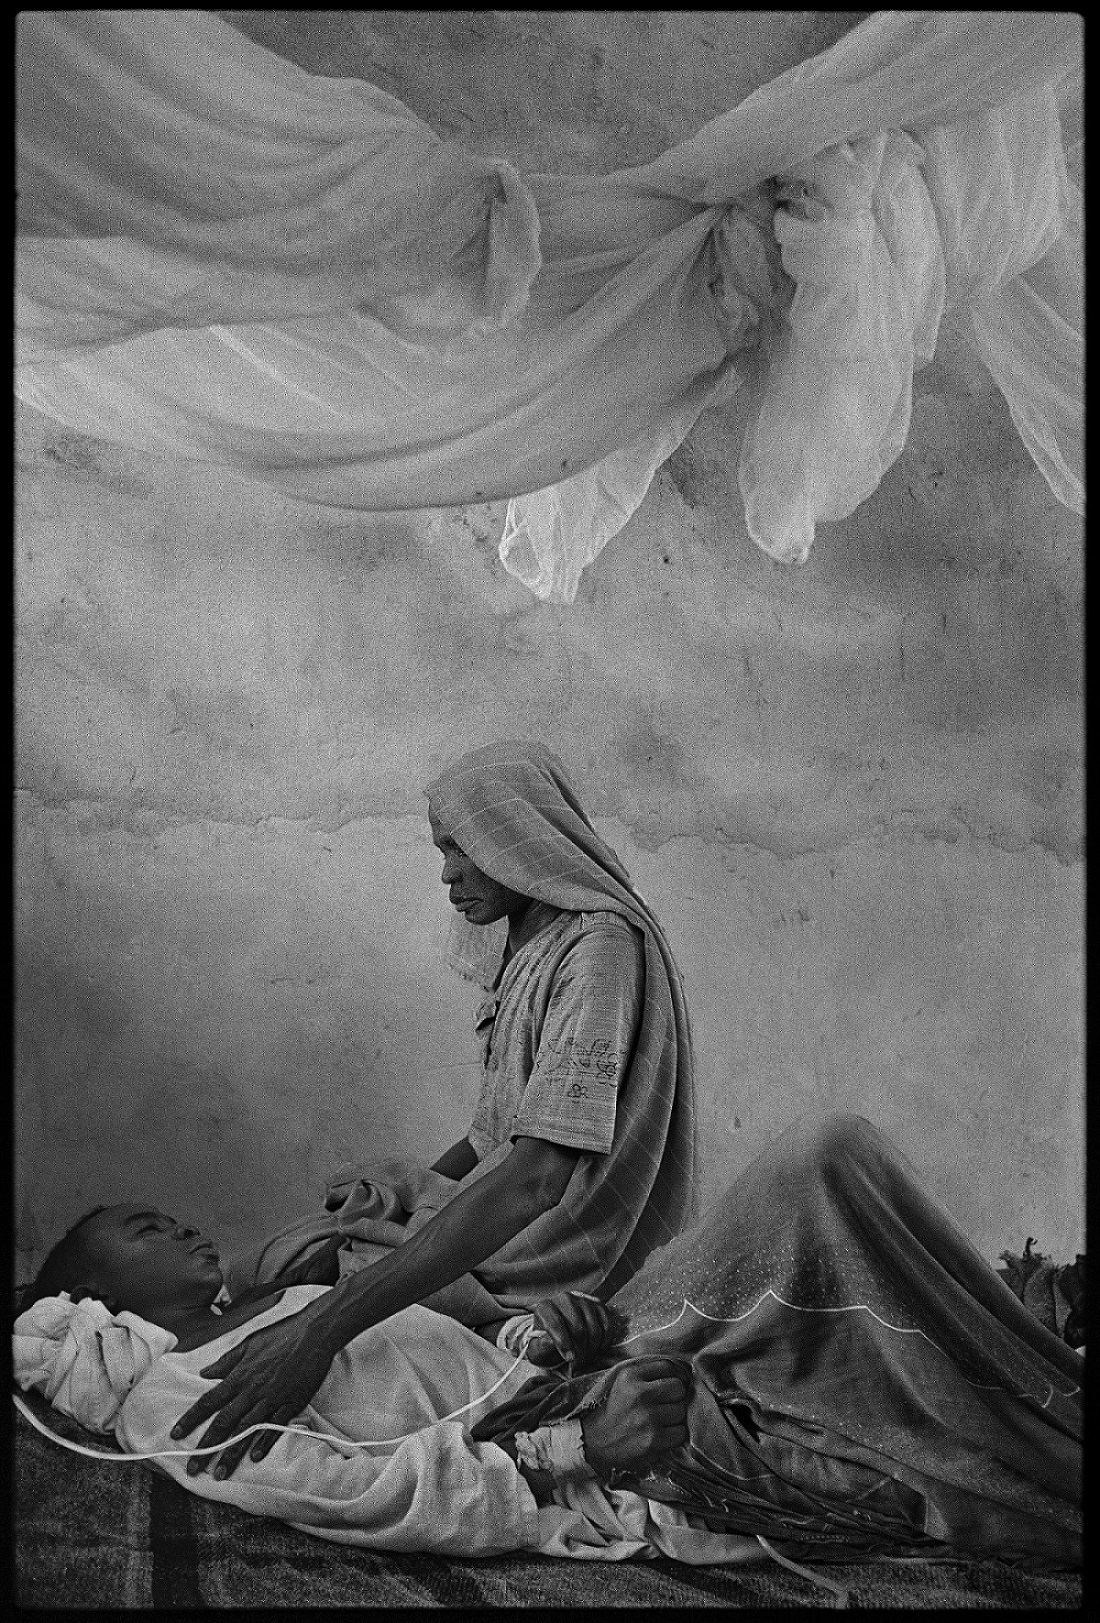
(225, 1104)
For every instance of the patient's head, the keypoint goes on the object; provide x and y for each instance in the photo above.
(132, 1257)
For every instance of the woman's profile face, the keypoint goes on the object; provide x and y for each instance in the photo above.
(473, 893)
(145, 1261)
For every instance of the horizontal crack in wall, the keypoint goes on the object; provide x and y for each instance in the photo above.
(113, 814)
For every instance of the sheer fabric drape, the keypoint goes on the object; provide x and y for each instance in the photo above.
(224, 257)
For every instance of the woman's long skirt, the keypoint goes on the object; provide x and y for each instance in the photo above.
(863, 1382)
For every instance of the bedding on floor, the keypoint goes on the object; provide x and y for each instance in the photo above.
(114, 1537)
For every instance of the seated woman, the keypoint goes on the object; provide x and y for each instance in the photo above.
(824, 1365)
(579, 1159)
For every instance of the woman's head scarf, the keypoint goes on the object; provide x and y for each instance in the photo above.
(513, 810)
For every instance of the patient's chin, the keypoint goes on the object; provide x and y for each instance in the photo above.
(212, 1277)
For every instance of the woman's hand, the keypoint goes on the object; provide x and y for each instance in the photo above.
(573, 1327)
(643, 1417)
(271, 1376)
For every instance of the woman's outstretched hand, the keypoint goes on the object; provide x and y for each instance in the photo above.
(271, 1376)
(572, 1327)
(643, 1417)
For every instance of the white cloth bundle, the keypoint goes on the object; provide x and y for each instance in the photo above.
(83, 1358)
(878, 237)
(859, 240)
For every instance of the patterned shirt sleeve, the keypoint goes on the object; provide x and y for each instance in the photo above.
(587, 1037)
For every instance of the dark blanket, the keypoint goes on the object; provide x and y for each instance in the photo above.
(860, 1381)
(114, 1537)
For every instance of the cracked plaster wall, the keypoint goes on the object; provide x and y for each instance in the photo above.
(852, 791)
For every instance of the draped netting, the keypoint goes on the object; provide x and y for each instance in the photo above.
(224, 257)
(861, 1377)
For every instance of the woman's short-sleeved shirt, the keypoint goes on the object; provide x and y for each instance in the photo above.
(557, 1035)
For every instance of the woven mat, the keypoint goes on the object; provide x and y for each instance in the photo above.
(118, 1537)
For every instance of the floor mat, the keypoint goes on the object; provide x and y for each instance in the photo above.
(119, 1537)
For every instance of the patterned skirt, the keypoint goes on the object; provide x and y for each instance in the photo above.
(863, 1382)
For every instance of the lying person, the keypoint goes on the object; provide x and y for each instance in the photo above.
(824, 1365)
(119, 1328)
(579, 1159)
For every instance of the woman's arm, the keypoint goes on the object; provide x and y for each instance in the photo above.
(274, 1374)
(456, 1162)
(478, 1222)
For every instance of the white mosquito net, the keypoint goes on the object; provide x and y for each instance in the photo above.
(224, 257)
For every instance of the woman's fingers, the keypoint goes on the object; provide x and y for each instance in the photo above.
(595, 1318)
(551, 1339)
(271, 1420)
(227, 1424)
(588, 1322)
(541, 1350)
(562, 1318)
(212, 1400)
(277, 1377)
(657, 1382)
(663, 1374)
(222, 1366)
(229, 1459)
(575, 1325)
(643, 1416)
(668, 1413)
(560, 1321)
(239, 1411)
(223, 1397)
(667, 1389)
(233, 1420)
(264, 1441)
(580, 1325)
(256, 1444)
(664, 1411)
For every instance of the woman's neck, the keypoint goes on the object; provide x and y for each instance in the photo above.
(524, 926)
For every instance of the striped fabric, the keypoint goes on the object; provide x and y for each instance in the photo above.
(512, 809)
(122, 1538)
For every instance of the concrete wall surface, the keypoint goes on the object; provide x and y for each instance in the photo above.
(852, 790)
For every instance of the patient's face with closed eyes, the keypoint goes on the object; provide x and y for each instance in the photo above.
(136, 1258)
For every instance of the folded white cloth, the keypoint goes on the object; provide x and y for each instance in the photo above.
(83, 1358)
